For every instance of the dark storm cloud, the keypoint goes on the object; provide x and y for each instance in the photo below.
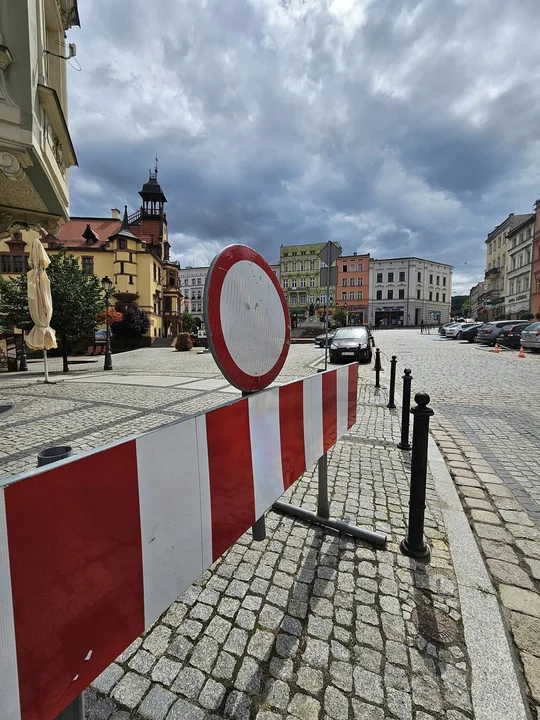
(394, 127)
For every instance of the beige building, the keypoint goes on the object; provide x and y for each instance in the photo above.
(299, 274)
(493, 299)
(477, 291)
(518, 273)
(35, 146)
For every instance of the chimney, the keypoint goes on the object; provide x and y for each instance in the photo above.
(355, 253)
(115, 214)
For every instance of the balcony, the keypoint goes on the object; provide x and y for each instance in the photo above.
(493, 272)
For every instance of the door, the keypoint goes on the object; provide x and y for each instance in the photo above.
(417, 316)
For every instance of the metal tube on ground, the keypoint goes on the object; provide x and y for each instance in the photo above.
(405, 410)
(415, 545)
(339, 525)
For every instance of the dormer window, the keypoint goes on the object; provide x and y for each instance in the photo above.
(90, 236)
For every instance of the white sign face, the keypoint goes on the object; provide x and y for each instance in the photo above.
(251, 318)
(246, 318)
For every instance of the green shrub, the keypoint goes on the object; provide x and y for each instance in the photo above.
(537, 316)
(183, 342)
(527, 316)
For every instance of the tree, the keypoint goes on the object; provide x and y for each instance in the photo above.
(134, 324)
(340, 316)
(77, 299)
(14, 311)
(111, 314)
(188, 321)
(457, 303)
(466, 307)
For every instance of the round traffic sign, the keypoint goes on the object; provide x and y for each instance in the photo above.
(246, 318)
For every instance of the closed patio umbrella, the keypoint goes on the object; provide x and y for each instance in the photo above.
(41, 336)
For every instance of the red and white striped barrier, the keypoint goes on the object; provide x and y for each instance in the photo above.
(95, 548)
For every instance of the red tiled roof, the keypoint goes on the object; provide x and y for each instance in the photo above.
(70, 233)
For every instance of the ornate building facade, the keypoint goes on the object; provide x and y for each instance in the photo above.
(35, 145)
(133, 252)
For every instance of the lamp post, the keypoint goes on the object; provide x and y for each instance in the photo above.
(107, 285)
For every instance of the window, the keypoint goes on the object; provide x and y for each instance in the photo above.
(6, 264)
(344, 268)
(130, 257)
(444, 297)
(167, 304)
(88, 265)
(538, 285)
(444, 282)
(526, 283)
(303, 266)
(401, 294)
(343, 295)
(285, 266)
(379, 277)
(401, 276)
(379, 294)
(360, 295)
(351, 295)
(528, 257)
(17, 263)
(154, 271)
(352, 268)
(430, 295)
(438, 279)
(436, 297)
(323, 299)
(122, 267)
(360, 281)
(302, 298)
(418, 294)
(312, 264)
(302, 282)
(131, 279)
(285, 283)
(312, 298)
(390, 295)
(419, 277)
(390, 277)
(344, 282)
(360, 268)
(294, 266)
(293, 299)
(311, 282)
(352, 282)
(518, 286)
(172, 279)
(121, 244)
(186, 281)
(431, 279)
(293, 283)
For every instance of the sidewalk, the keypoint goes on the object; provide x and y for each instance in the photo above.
(312, 625)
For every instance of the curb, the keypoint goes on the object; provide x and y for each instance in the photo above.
(495, 689)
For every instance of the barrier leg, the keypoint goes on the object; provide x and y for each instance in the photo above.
(74, 711)
(322, 499)
(258, 529)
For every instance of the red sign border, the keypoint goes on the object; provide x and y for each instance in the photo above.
(219, 268)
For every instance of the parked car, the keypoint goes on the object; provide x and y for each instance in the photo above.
(470, 332)
(510, 336)
(489, 332)
(442, 329)
(351, 343)
(453, 331)
(319, 340)
(530, 337)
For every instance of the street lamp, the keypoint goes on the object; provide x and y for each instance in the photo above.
(107, 286)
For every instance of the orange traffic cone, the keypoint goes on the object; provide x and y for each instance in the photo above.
(496, 349)
(521, 352)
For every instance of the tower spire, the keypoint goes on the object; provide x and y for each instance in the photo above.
(156, 166)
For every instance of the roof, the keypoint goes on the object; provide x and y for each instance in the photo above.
(152, 189)
(433, 262)
(528, 219)
(512, 220)
(72, 233)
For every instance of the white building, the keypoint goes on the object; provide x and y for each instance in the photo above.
(35, 145)
(192, 282)
(517, 285)
(405, 291)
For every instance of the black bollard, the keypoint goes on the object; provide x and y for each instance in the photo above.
(393, 363)
(414, 545)
(378, 369)
(405, 410)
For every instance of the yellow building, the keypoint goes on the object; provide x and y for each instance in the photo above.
(133, 252)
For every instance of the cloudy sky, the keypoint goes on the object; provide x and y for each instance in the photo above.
(397, 127)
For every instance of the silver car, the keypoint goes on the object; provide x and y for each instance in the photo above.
(530, 337)
(489, 332)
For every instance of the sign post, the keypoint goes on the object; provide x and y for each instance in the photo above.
(329, 254)
(247, 323)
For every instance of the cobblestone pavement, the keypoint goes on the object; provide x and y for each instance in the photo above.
(308, 624)
(87, 409)
(487, 423)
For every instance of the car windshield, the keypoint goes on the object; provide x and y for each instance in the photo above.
(350, 333)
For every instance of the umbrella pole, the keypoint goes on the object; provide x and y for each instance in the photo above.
(46, 366)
